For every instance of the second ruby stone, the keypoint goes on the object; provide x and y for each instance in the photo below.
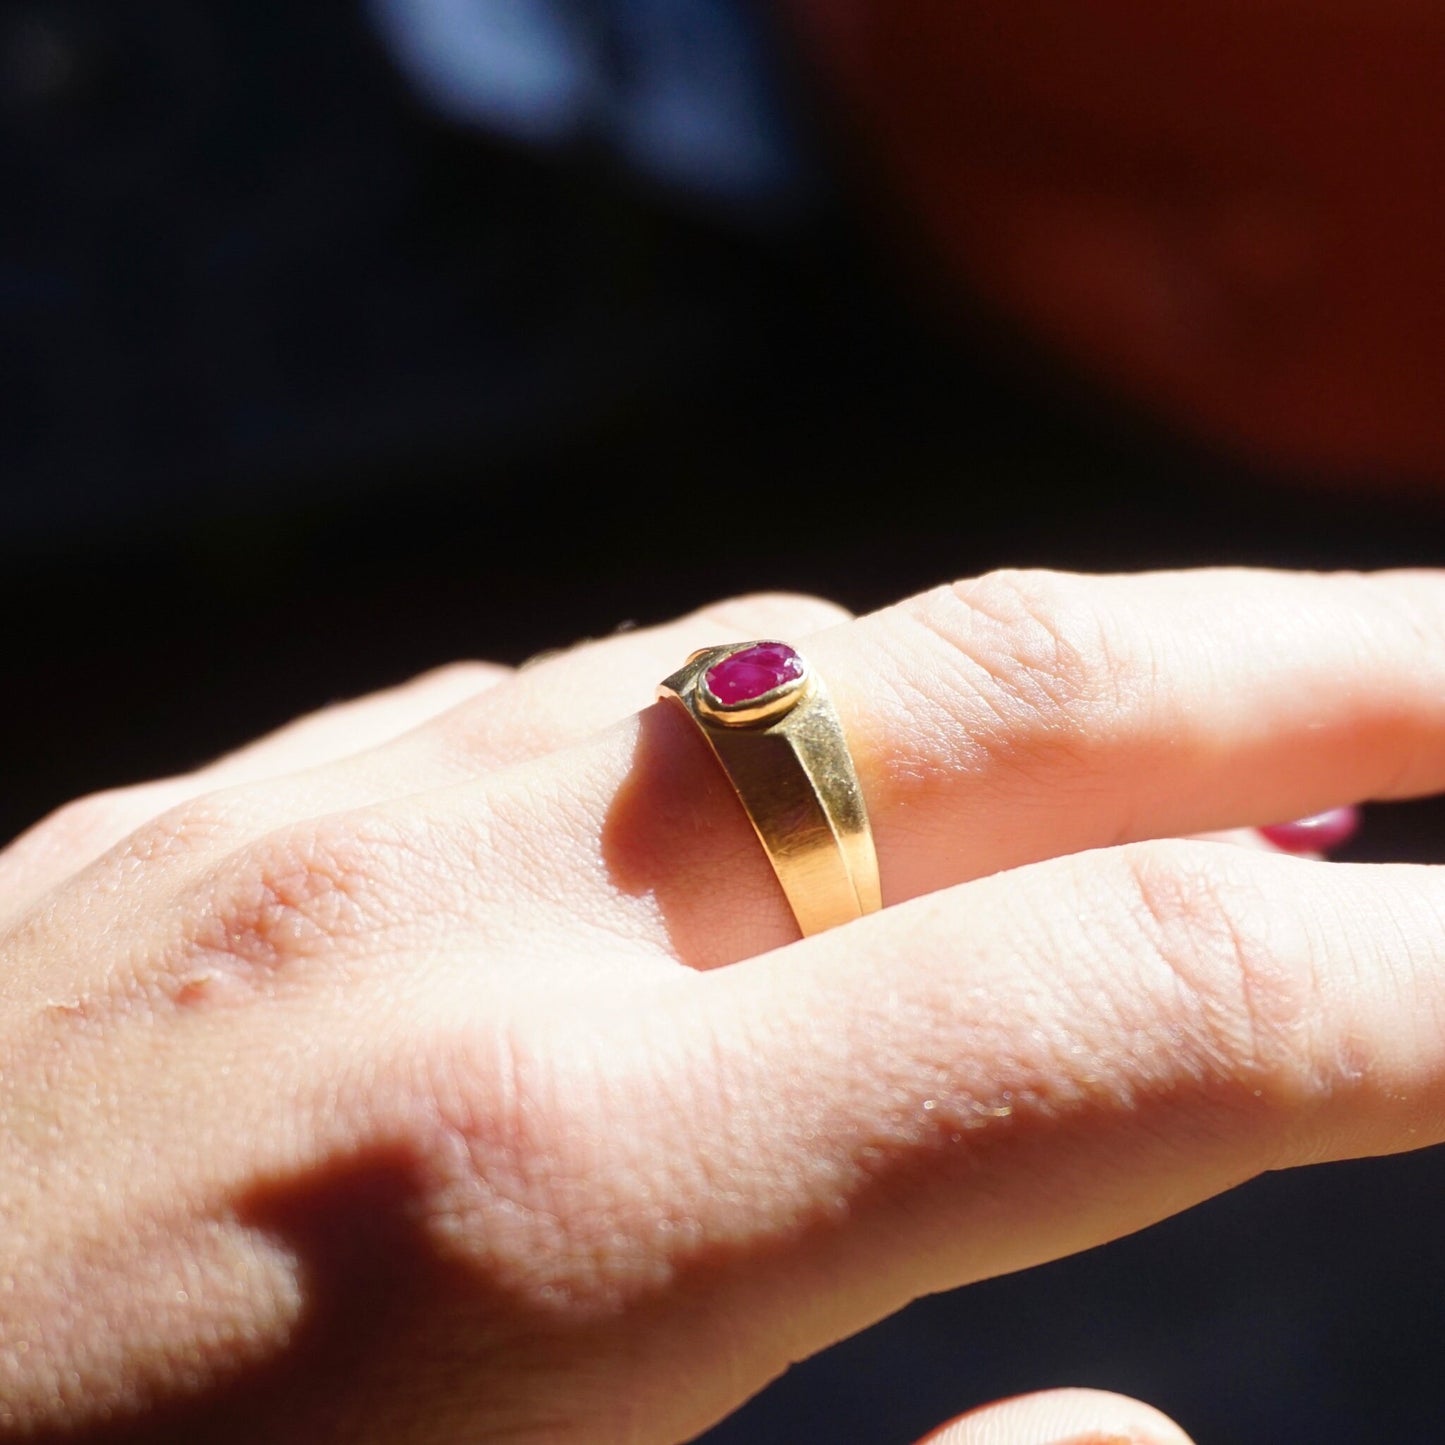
(753, 672)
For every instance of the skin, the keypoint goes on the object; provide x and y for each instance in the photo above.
(447, 1067)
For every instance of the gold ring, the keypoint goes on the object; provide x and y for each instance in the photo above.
(768, 719)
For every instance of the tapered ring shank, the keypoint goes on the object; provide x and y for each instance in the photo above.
(771, 725)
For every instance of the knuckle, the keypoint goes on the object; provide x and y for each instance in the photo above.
(84, 817)
(760, 613)
(191, 826)
(1403, 604)
(306, 894)
(115, 812)
(460, 678)
(1040, 637)
(1226, 966)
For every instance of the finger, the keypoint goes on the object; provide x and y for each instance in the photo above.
(1025, 715)
(60, 844)
(1020, 717)
(353, 726)
(1062, 1417)
(481, 717)
(1030, 1065)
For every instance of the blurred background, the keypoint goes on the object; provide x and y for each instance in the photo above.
(344, 339)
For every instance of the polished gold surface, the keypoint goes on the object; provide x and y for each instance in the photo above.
(788, 760)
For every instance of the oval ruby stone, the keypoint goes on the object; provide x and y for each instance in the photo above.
(749, 674)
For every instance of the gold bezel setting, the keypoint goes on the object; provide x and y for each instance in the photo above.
(766, 707)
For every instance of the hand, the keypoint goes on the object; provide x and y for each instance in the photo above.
(386, 1081)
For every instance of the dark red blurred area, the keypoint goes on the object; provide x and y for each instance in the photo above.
(1233, 213)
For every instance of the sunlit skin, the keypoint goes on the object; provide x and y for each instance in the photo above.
(1231, 214)
(448, 1066)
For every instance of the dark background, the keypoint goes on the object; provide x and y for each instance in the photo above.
(303, 391)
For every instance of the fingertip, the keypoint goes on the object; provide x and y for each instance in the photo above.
(1062, 1417)
(1318, 834)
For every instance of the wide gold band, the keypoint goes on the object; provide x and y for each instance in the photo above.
(788, 760)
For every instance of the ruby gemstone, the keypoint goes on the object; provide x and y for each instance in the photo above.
(747, 675)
